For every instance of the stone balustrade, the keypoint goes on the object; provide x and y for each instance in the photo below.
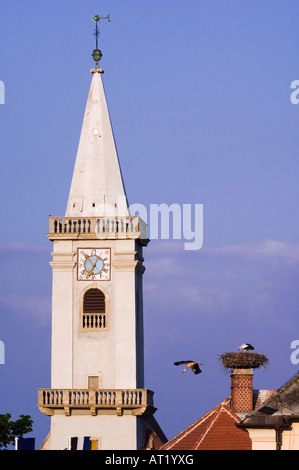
(97, 227)
(134, 401)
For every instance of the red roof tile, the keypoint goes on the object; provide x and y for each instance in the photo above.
(216, 430)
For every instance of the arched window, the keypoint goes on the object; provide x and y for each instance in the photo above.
(94, 312)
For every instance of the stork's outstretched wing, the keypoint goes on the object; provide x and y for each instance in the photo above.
(190, 364)
(178, 363)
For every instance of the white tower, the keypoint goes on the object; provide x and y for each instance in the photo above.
(97, 308)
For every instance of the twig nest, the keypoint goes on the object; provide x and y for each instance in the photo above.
(243, 360)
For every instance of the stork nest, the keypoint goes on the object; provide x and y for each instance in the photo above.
(243, 360)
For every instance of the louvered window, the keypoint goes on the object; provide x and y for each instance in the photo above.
(94, 315)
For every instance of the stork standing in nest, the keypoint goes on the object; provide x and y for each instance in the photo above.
(246, 347)
(193, 365)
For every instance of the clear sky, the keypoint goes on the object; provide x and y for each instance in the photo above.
(199, 97)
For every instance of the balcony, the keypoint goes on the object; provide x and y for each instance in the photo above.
(97, 228)
(136, 402)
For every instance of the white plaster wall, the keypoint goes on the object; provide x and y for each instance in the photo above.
(62, 319)
(116, 432)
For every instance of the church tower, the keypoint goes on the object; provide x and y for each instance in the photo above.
(97, 377)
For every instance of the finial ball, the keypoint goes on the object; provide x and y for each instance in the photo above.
(97, 55)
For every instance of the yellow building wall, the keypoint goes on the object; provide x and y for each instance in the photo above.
(290, 439)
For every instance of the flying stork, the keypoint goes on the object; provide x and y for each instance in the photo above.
(193, 365)
(246, 347)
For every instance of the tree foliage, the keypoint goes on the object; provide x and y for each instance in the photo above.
(9, 429)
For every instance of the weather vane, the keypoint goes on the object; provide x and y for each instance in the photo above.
(97, 54)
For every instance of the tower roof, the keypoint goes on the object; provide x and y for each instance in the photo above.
(97, 187)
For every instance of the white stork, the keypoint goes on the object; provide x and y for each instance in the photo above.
(246, 347)
(193, 365)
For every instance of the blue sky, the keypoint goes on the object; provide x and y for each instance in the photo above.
(199, 97)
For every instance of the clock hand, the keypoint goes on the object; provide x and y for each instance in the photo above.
(95, 264)
(89, 272)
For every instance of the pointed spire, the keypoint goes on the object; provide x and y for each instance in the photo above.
(97, 187)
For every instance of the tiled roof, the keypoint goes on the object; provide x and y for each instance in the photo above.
(216, 430)
(277, 406)
(259, 396)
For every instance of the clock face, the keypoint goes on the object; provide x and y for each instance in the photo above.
(94, 264)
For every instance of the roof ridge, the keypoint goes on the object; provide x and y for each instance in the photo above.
(208, 428)
(193, 426)
(223, 407)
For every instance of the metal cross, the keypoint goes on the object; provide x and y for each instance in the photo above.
(97, 19)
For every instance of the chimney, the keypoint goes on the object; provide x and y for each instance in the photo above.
(242, 390)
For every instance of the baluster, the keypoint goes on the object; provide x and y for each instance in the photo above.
(134, 226)
(113, 226)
